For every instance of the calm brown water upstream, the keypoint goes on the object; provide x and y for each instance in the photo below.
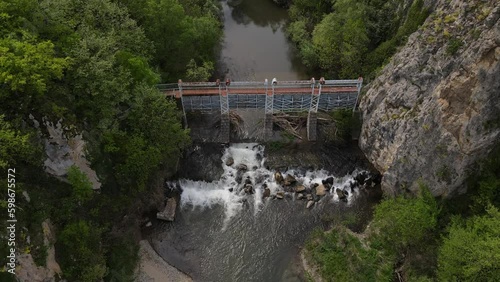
(255, 46)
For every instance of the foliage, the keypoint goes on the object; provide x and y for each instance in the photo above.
(471, 250)
(15, 146)
(90, 65)
(351, 37)
(343, 257)
(122, 260)
(27, 65)
(181, 31)
(404, 222)
(81, 252)
(485, 183)
(199, 73)
(82, 187)
(453, 45)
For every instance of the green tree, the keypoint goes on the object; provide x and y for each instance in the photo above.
(15, 147)
(82, 256)
(82, 187)
(340, 40)
(402, 222)
(471, 251)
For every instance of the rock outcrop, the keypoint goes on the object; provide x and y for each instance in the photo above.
(168, 214)
(434, 110)
(63, 152)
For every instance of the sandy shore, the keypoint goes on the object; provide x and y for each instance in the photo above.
(153, 268)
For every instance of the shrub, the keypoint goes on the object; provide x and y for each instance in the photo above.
(471, 251)
(404, 222)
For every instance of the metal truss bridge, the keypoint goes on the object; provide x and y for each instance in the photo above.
(277, 96)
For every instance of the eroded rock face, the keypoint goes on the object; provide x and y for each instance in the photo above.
(434, 110)
(63, 152)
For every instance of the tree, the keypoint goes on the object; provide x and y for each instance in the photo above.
(471, 251)
(402, 222)
(15, 147)
(82, 187)
(341, 39)
(82, 256)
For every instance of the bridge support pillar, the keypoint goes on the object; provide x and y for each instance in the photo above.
(268, 126)
(312, 121)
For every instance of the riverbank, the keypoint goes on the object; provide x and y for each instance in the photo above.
(153, 268)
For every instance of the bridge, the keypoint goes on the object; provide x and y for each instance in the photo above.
(277, 96)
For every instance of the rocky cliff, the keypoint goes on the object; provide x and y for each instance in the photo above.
(434, 110)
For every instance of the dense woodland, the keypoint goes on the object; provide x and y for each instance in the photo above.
(93, 65)
(348, 38)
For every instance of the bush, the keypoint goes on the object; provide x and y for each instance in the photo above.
(343, 257)
(81, 253)
(453, 45)
(402, 222)
(471, 251)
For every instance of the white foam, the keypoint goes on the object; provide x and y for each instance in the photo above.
(203, 195)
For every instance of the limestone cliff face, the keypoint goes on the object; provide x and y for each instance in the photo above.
(435, 108)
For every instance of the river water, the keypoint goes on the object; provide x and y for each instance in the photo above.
(224, 235)
(255, 46)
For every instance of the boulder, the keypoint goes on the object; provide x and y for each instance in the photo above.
(280, 195)
(320, 190)
(249, 189)
(289, 180)
(248, 180)
(231, 189)
(329, 180)
(300, 189)
(278, 177)
(168, 213)
(309, 197)
(267, 193)
(300, 196)
(360, 178)
(229, 161)
(309, 204)
(242, 167)
(327, 186)
(341, 194)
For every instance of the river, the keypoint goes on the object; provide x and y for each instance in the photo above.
(221, 233)
(255, 46)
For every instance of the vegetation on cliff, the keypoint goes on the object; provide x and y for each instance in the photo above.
(420, 238)
(93, 66)
(348, 38)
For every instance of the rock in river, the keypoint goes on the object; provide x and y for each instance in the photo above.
(280, 195)
(267, 193)
(289, 180)
(300, 189)
(278, 177)
(341, 194)
(229, 161)
(242, 167)
(309, 204)
(168, 213)
(320, 190)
